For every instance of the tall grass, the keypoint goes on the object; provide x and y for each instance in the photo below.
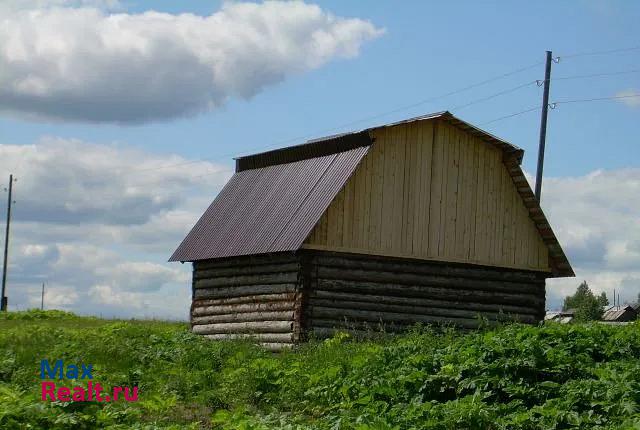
(512, 377)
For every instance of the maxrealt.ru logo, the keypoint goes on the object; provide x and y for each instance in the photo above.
(93, 392)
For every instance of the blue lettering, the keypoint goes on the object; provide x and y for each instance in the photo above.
(72, 371)
(86, 371)
(47, 373)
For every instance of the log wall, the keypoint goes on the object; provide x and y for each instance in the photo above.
(256, 296)
(279, 299)
(365, 293)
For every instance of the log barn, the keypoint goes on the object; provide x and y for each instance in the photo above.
(426, 220)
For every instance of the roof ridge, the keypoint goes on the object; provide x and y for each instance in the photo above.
(341, 142)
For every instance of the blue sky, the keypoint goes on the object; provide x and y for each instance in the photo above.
(429, 48)
(404, 53)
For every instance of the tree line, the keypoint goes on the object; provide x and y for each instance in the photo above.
(586, 305)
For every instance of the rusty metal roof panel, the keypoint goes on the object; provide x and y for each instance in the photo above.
(269, 209)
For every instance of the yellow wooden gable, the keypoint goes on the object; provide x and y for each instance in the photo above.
(434, 191)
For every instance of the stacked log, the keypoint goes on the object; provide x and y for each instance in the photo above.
(275, 299)
(368, 293)
(248, 297)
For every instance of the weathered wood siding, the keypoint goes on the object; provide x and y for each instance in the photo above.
(278, 299)
(254, 296)
(368, 293)
(431, 191)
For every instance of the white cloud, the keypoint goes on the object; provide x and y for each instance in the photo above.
(630, 98)
(85, 64)
(72, 182)
(596, 219)
(56, 297)
(98, 222)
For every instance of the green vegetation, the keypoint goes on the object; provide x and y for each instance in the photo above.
(583, 376)
(588, 307)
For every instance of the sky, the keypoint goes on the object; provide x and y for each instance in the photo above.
(120, 120)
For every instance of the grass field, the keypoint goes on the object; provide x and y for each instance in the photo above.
(512, 377)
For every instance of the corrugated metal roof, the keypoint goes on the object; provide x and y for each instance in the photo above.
(232, 226)
(269, 209)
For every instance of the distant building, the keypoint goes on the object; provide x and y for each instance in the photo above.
(563, 317)
(623, 313)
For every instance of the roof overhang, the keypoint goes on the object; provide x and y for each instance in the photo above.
(348, 143)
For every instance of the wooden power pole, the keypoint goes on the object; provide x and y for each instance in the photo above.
(3, 306)
(543, 125)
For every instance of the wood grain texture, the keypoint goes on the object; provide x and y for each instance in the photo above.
(348, 288)
(432, 191)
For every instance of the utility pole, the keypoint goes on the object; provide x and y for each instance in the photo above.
(543, 124)
(3, 306)
(42, 298)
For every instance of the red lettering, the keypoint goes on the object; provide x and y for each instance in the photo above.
(133, 398)
(116, 391)
(97, 387)
(64, 394)
(47, 390)
(78, 394)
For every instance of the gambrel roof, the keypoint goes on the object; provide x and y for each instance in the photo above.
(275, 198)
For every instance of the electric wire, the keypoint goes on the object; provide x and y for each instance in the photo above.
(492, 96)
(364, 119)
(560, 102)
(605, 52)
(511, 115)
(596, 75)
(595, 99)
(425, 101)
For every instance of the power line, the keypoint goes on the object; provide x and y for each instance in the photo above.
(364, 119)
(425, 101)
(596, 75)
(554, 104)
(606, 52)
(511, 115)
(432, 99)
(492, 96)
(626, 96)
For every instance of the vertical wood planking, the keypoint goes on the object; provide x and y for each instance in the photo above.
(472, 200)
(369, 229)
(491, 204)
(426, 139)
(348, 212)
(453, 185)
(411, 191)
(430, 190)
(397, 224)
(506, 221)
(376, 181)
(478, 201)
(388, 190)
(464, 191)
(436, 192)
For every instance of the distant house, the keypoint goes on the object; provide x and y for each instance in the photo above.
(425, 220)
(563, 317)
(624, 313)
